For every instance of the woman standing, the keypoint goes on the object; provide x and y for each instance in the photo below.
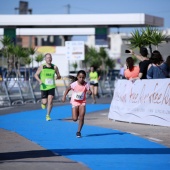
(94, 77)
(158, 68)
(168, 64)
(132, 71)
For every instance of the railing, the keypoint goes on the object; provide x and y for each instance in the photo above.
(14, 92)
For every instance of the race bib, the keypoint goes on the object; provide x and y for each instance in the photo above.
(78, 95)
(49, 81)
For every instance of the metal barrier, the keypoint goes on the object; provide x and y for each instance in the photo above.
(4, 96)
(16, 92)
(106, 88)
(21, 92)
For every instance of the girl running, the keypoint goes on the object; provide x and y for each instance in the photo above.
(78, 99)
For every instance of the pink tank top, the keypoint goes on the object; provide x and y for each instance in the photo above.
(79, 93)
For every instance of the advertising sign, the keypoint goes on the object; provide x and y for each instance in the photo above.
(142, 101)
(74, 50)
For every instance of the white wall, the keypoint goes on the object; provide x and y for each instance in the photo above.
(59, 59)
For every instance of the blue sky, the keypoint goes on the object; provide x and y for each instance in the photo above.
(159, 8)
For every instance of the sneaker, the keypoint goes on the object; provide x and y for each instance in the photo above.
(98, 96)
(43, 106)
(48, 118)
(78, 134)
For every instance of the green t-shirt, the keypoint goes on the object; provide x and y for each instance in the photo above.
(93, 77)
(47, 77)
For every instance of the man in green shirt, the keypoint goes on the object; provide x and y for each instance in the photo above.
(45, 75)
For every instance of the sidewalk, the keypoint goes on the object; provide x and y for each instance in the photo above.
(18, 152)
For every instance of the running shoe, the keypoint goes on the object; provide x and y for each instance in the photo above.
(43, 106)
(98, 96)
(48, 118)
(78, 134)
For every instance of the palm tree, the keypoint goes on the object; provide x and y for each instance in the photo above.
(92, 57)
(99, 58)
(107, 62)
(27, 61)
(10, 59)
(13, 53)
(75, 66)
(32, 52)
(153, 37)
(104, 57)
(147, 37)
(86, 59)
(39, 58)
(137, 39)
(18, 53)
(110, 63)
(6, 41)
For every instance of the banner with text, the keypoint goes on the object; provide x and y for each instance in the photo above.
(75, 50)
(142, 101)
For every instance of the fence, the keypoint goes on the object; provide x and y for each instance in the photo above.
(18, 91)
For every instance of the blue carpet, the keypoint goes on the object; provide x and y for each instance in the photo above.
(99, 148)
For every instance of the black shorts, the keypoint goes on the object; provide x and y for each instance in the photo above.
(45, 93)
(94, 84)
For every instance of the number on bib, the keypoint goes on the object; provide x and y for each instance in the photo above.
(49, 81)
(78, 96)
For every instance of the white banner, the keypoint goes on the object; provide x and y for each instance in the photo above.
(144, 101)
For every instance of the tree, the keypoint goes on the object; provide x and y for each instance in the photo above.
(39, 58)
(98, 58)
(86, 59)
(104, 57)
(92, 57)
(6, 41)
(13, 53)
(27, 62)
(18, 53)
(153, 36)
(75, 66)
(147, 37)
(137, 39)
(31, 52)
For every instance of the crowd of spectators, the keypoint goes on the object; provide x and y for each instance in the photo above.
(149, 68)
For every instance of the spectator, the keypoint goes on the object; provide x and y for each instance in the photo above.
(143, 65)
(122, 72)
(158, 68)
(132, 71)
(168, 63)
